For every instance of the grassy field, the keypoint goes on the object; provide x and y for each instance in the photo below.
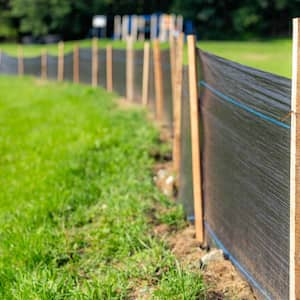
(273, 56)
(76, 191)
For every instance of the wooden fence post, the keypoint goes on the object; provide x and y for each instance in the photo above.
(195, 137)
(146, 65)
(44, 64)
(294, 276)
(95, 65)
(20, 62)
(158, 80)
(60, 62)
(129, 69)
(173, 56)
(76, 77)
(177, 104)
(109, 69)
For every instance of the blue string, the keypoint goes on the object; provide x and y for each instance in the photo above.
(235, 262)
(244, 106)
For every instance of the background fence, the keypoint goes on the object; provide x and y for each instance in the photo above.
(231, 133)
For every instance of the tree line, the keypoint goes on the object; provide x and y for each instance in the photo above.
(212, 19)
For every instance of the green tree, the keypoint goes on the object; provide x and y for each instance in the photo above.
(7, 28)
(235, 19)
(40, 17)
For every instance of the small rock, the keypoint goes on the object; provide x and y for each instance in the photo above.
(162, 173)
(212, 256)
(170, 180)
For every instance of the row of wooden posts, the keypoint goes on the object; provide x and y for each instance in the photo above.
(176, 60)
(76, 69)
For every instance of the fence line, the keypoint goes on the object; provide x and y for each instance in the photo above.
(194, 99)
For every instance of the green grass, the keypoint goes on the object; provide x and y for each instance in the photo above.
(76, 191)
(273, 56)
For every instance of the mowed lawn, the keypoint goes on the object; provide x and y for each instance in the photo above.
(273, 56)
(76, 192)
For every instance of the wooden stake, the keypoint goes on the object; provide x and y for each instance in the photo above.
(109, 69)
(129, 69)
(194, 116)
(173, 46)
(294, 276)
(60, 66)
(95, 65)
(44, 64)
(20, 61)
(76, 77)
(177, 104)
(146, 66)
(158, 80)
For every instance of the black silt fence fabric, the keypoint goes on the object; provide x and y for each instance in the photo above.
(85, 65)
(151, 96)
(8, 64)
(167, 87)
(245, 160)
(102, 67)
(119, 71)
(138, 75)
(52, 62)
(185, 195)
(68, 66)
(32, 66)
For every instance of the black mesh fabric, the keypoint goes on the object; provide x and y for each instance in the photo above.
(119, 71)
(32, 66)
(185, 195)
(52, 62)
(102, 67)
(68, 66)
(85, 65)
(138, 75)
(167, 87)
(245, 160)
(8, 64)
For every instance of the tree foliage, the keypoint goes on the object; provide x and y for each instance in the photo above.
(7, 28)
(40, 17)
(226, 19)
(239, 18)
